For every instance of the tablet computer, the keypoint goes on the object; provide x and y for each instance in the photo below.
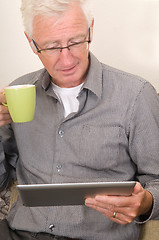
(64, 194)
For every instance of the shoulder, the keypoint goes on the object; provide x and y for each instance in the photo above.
(124, 83)
(122, 78)
(114, 79)
(29, 78)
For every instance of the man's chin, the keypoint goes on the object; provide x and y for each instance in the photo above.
(68, 82)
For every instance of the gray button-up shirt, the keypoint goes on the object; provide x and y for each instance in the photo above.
(114, 136)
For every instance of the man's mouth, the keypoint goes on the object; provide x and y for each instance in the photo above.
(70, 70)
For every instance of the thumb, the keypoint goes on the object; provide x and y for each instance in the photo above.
(2, 96)
(2, 90)
(137, 188)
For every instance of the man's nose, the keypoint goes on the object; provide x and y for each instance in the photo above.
(67, 47)
(66, 55)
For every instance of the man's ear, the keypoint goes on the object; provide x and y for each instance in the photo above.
(31, 43)
(91, 27)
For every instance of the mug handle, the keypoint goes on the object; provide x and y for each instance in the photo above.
(4, 104)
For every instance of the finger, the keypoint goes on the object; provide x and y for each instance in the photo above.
(137, 189)
(5, 119)
(3, 89)
(5, 116)
(2, 98)
(103, 203)
(126, 210)
(3, 109)
(119, 218)
(5, 122)
(119, 201)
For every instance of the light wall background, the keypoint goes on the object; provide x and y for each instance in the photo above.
(126, 36)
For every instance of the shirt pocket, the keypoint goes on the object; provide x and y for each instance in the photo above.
(99, 147)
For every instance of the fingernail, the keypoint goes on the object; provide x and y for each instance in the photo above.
(98, 198)
(88, 201)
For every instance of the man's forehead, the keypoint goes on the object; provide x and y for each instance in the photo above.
(52, 28)
(73, 16)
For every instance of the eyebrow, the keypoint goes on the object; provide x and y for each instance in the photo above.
(77, 37)
(58, 41)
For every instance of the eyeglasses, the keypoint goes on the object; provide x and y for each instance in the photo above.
(73, 48)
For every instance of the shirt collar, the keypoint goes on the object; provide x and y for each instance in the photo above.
(46, 80)
(43, 77)
(94, 77)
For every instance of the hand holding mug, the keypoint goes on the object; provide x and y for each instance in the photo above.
(20, 102)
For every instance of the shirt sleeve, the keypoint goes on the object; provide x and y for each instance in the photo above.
(144, 143)
(8, 156)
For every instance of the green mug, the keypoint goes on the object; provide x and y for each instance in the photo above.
(21, 100)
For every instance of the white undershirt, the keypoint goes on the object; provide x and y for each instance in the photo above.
(68, 97)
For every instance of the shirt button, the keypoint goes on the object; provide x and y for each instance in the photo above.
(51, 227)
(58, 167)
(61, 133)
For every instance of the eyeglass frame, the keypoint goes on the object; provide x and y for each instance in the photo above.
(61, 48)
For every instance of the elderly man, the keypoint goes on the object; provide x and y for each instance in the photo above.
(92, 123)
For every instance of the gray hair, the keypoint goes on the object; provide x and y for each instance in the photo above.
(32, 8)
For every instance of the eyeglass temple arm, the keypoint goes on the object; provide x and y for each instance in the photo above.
(36, 46)
(89, 36)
